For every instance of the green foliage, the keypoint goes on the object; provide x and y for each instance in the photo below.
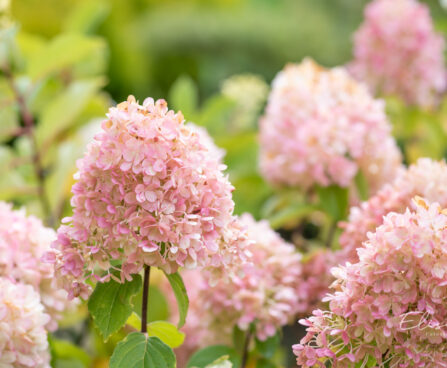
(268, 347)
(110, 304)
(334, 200)
(222, 362)
(178, 287)
(62, 52)
(65, 354)
(157, 304)
(139, 351)
(184, 96)
(165, 331)
(208, 355)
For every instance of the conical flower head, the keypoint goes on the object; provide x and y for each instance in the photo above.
(148, 192)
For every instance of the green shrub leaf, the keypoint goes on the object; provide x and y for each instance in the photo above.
(180, 294)
(139, 351)
(110, 304)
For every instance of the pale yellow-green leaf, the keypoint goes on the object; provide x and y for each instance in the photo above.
(62, 112)
(166, 332)
(61, 52)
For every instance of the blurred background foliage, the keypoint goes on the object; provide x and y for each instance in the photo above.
(64, 62)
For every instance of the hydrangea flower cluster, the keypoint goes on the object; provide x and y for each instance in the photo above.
(148, 192)
(23, 242)
(426, 179)
(388, 309)
(321, 127)
(23, 337)
(397, 51)
(264, 292)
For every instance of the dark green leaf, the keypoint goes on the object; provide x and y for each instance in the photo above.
(110, 304)
(180, 294)
(268, 347)
(362, 186)
(67, 354)
(265, 363)
(334, 201)
(139, 351)
(208, 355)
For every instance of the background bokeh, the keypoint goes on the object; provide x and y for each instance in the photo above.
(67, 61)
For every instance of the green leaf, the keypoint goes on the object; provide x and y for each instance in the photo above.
(62, 112)
(334, 201)
(184, 96)
(268, 347)
(166, 332)
(208, 355)
(110, 304)
(139, 351)
(157, 304)
(61, 52)
(264, 363)
(65, 353)
(87, 16)
(180, 294)
(215, 115)
(222, 362)
(238, 337)
(362, 186)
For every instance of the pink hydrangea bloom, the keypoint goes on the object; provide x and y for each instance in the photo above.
(388, 309)
(264, 292)
(397, 51)
(23, 337)
(322, 127)
(426, 178)
(148, 192)
(206, 140)
(23, 242)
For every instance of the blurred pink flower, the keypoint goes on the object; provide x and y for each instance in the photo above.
(23, 242)
(148, 192)
(265, 292)
(321, 127)
(397, 51)
(316, 278)
(23, 337)
(426, 178)
(388, 309)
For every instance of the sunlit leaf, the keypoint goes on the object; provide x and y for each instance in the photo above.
(139, 351)
(61, 113)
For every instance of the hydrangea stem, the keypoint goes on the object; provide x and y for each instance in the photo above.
(147, 275)
(248, 337)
